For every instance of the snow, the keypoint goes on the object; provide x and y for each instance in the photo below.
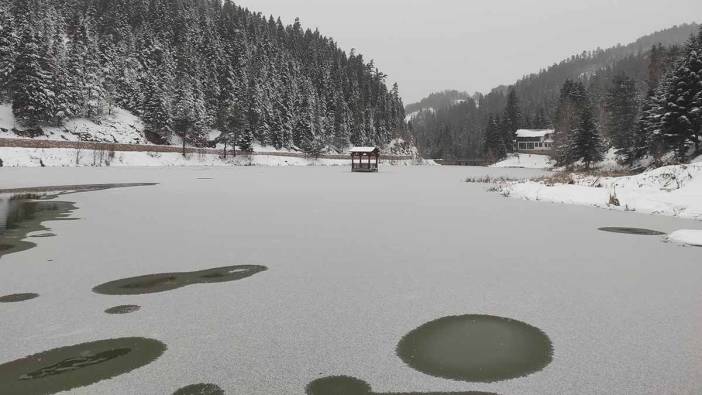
(411, 116)
(121, 126)
(527, 161)
(363, 149)
(686, 236)
(529, 133)
(7, 118)
(356, 261)
(671, 190)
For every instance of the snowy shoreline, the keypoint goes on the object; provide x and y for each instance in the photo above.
(671, 190)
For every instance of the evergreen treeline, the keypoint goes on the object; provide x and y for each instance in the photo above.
(534, 101)
(438, 101)
(188, 66)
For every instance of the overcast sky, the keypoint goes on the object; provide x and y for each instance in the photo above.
(432, 45)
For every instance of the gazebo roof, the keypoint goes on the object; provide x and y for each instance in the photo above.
(364, 150)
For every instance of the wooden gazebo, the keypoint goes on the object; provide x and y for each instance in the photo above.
(365, 159)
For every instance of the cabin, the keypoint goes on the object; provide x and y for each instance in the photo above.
(365, 159)
(534, 140)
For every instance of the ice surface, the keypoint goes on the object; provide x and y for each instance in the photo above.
(687, 236)
(356, 262)
(526, 161)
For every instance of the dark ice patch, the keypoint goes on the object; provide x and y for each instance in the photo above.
(15, 298)
(124, 309)
(200, 389)
(344, 385)
(67, 368)
(633, 231)
(476, 348)
(154, 283)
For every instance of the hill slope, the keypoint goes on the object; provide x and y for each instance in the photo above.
(189, 66)
(456, 132)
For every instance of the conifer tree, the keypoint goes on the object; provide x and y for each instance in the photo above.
(8, 47)
(622, 111)
(681, 103)
(512, 120)
(32, 97)
(495, 149)
(586, 144)
(573, 100)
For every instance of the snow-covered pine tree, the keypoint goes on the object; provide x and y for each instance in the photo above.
(495, 149)
(586, 144)
(681, 116)
(31, 84)
(55, 64)
(245, 140)
(621, 116)
(573, 100)
(8, 51)
(183, 117)
(512, 120)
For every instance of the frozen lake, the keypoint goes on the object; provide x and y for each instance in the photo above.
(320, 272)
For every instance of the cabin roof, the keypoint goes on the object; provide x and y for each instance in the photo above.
(364, 150)
(525, 133)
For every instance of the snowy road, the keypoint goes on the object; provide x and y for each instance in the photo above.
(354, 263)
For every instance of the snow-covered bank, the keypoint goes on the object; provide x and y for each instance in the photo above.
(671, 190)
(120, 126)
(687, 236)
(526, 161)
(67, 157)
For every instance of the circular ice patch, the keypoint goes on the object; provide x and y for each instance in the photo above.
(66, 368)
(633, 231)
(476, 348)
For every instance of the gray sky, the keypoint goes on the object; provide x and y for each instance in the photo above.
(432, 45)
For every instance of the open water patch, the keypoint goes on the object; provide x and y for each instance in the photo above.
(24, 211)
(344, 385)
(16, 298)
(633, 231)
(163, 282)
(200, 389)
(123, 309)
(476, 348)
(19, 218)
(67, 368)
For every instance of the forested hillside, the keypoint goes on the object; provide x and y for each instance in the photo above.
(438, 100)
(463, 130)
(188, 66)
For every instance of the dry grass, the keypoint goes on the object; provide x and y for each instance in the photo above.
(572, 177)
(491, 180)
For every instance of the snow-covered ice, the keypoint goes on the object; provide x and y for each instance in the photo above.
(355, 262)
(526, 161)
(687, 236)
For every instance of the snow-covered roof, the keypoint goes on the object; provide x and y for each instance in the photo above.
(534, 132)
(364, 149)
